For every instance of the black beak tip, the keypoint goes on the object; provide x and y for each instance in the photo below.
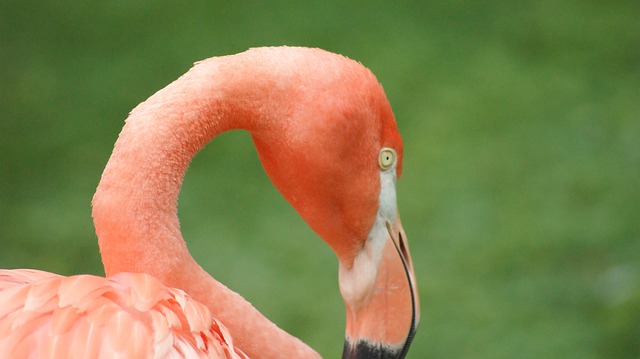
(364, 350)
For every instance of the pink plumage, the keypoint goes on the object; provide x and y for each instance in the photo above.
(128, 315)
(328, 140)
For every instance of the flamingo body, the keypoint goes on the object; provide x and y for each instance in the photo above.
(128, 315)
(327, 138)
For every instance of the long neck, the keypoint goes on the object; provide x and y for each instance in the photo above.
(135, 206)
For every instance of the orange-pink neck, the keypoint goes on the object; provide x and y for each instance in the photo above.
(135, 206)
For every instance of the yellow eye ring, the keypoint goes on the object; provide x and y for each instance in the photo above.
(387, 158)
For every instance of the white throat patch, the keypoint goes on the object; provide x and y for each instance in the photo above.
(358, 281)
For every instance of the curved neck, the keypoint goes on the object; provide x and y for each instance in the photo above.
(135, 205)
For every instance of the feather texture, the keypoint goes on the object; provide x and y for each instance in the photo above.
(128, 315)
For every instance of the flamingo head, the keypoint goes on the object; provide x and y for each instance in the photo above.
(335, 156)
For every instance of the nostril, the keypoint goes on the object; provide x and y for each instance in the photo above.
(403, 247)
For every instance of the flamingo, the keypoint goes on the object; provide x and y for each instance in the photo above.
(328, 140)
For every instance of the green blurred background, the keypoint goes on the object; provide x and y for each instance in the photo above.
(520, 193)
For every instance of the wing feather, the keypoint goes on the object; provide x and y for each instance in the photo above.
(129, 315)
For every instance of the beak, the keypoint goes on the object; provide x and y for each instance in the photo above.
(380, 297)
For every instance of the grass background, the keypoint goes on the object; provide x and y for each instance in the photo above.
(520, 194)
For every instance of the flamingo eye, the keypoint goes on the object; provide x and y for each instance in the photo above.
(387, 158)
